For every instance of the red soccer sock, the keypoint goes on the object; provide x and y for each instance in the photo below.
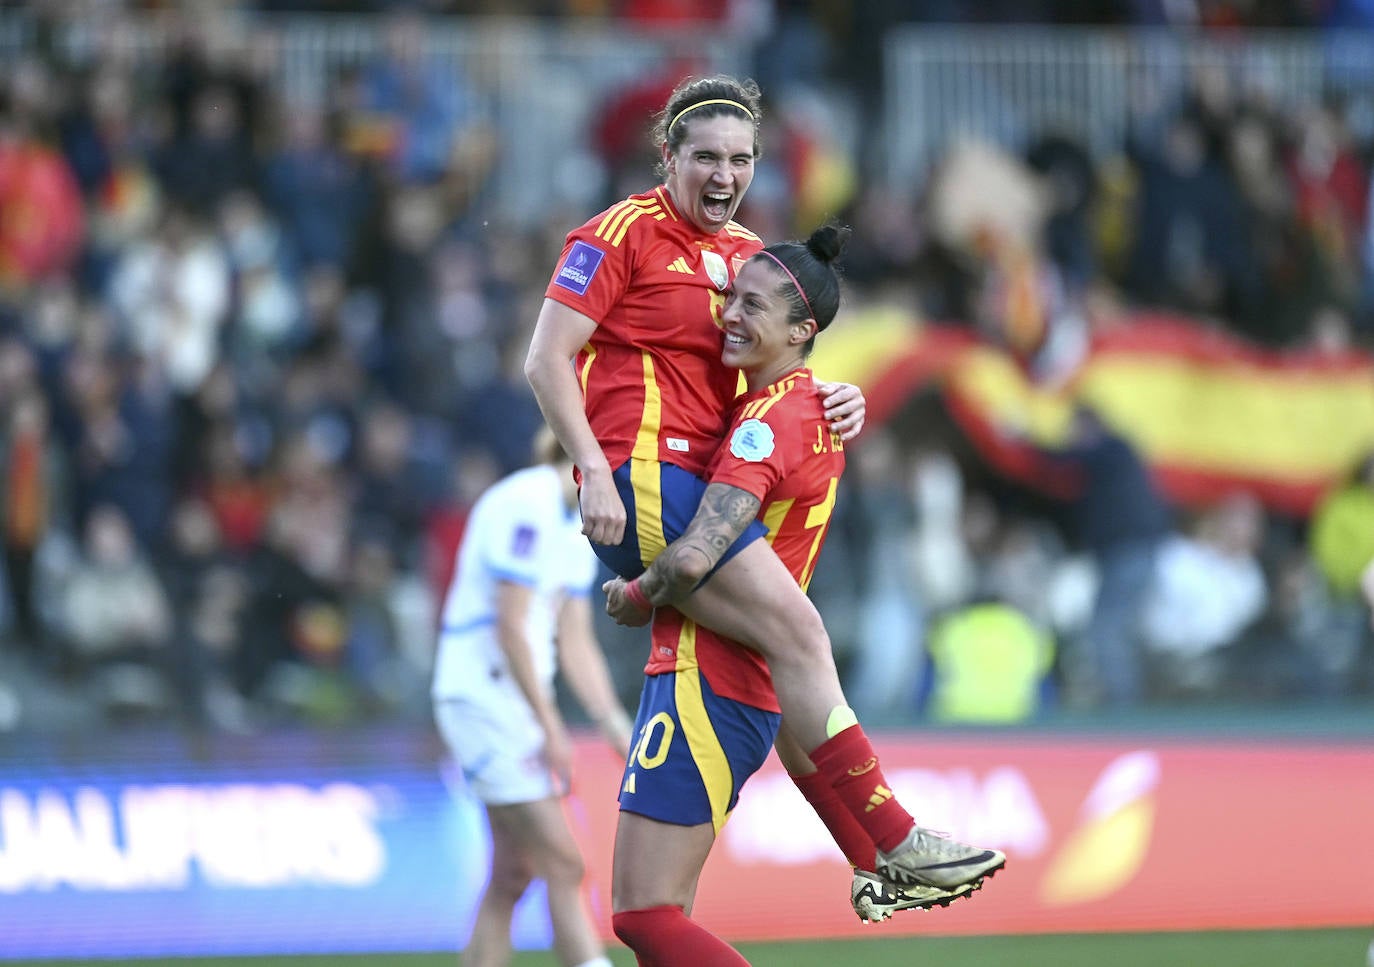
(666, 937)
(849, 764)
(848, 833)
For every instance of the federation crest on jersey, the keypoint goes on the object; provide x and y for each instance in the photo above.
(752, 441)
(715, 269)
(579, 267)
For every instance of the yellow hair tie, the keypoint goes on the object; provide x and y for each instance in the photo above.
(714, 100)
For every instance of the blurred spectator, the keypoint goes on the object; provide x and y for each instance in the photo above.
(1341, 543)
(372, 654)
(120, 441)
(990, 664)
(267, 317)
(1021, 566)
(795, 44)
(172, 292)
(116, 617)
(432, 120)
(236, 496)
(1330, 194)
(988, 214)
(672, 13)
(107, 142)
(43, 220)
(621, 132)
(1281, 252)
(499, 414)
(886, 522)
(818, 176)
(1120, 518)
(1341, 532)
(32, 487)
(393, 490)
(1208, 588)
(1023, 305)
(295, 630)
(1304, 645)
(1189, 250)
(320, 192)
(212, 157)
(416, 366)
(1071, 186)
(463, 311)
(208, 594)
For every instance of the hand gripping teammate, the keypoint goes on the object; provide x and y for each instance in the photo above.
(516, 611)
(636, 305)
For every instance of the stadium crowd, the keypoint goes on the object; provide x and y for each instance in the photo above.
(257, 357)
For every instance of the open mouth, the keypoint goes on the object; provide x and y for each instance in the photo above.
(733, 341)
(716, 204)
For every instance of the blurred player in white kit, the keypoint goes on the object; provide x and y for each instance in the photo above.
(517, 611)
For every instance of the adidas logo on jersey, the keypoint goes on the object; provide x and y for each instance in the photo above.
(679, 264)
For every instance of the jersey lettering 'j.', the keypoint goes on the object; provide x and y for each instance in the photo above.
(655, 284)
(781, 449)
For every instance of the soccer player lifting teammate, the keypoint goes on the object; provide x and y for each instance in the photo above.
(637, 304)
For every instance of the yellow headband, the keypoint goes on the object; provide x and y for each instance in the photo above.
(714, 100)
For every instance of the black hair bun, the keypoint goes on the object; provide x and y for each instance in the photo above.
(828, 241)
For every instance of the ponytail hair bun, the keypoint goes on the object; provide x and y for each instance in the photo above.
(828, 241)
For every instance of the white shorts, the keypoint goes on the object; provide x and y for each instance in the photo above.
(500, 749)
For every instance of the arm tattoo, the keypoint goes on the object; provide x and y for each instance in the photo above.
(723, 515)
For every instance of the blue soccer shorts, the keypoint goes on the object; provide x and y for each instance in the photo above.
(660, 501)
(693, 751)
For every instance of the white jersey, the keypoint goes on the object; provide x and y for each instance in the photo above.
(519, 531)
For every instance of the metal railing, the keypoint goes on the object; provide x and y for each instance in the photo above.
(1004, 85)
(546, 82)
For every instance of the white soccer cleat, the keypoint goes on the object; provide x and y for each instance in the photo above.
(926, 858)
(875, 899)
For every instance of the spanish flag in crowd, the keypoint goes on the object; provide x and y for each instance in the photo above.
(1210, 412)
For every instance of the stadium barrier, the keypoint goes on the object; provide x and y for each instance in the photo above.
(161, 845)
(1004, 84)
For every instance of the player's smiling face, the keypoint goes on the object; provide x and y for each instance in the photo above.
(759, 338)
(711, 170)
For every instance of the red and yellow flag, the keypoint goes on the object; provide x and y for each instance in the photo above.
(1210, 412)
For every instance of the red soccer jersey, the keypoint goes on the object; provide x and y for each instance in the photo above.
(651, 374)
(781, 449)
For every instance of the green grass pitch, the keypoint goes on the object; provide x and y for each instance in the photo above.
(1290, 948)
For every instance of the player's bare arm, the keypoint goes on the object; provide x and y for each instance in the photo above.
(722, 516)
(558, 334)
(724, 513)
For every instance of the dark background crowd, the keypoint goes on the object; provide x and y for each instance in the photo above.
(259, 353)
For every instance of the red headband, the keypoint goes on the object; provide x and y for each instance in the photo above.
(800, 291)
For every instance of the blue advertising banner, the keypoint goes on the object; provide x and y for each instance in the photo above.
(165, 845)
